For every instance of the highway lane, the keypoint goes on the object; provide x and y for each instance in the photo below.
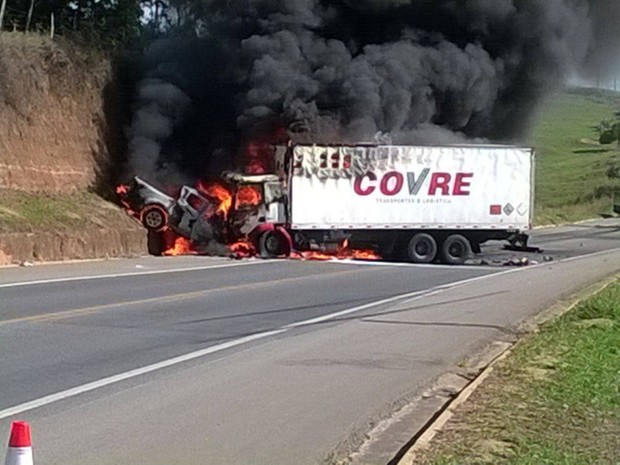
(289, 397)
(63, 334)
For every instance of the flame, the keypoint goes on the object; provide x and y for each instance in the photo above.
(343, 252)
(248, 195)
(243, 249)
(355, 254)
(219, 192)
(312, 255)
(365, 255)
(259, 154)
(122, 191)
(177, 245)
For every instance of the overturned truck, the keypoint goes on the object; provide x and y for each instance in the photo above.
(418, 203)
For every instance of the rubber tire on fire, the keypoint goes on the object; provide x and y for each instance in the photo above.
(455, 250)
(154, 217)
(422, 248)
(272, 244)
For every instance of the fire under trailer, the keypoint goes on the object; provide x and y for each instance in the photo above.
(417, 203)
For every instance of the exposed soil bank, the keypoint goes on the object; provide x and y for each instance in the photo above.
(56, 103)
(17, 248)
(61, 137)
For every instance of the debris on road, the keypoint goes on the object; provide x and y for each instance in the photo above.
(516, 261)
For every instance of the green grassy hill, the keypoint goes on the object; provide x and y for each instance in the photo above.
(575, 175)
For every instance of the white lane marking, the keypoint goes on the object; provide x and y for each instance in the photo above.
(411, 295)
(18, 409)
(466, 267)
(349, 261)
(139, 273)
(131, 374)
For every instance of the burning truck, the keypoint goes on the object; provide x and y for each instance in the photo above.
(418, 203)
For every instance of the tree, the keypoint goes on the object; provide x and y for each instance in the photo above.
(2, 10)
(29, 17)
(104, 23)
(184, 17)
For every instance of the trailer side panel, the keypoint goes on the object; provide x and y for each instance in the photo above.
(411, 187)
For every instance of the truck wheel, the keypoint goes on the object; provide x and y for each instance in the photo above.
(422, 248)
(154, 217)
(455, 250)
(272, 244)
(156, 245)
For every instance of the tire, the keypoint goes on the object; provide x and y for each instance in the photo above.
(154, 217)
(272, 244)
(422, 248)
(156, 244)
(455, 250)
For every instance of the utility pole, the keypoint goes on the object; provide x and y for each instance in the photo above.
(2, 10)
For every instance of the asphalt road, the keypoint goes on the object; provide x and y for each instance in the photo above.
(195, 360)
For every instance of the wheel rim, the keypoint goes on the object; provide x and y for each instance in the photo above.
(422, 248)
(272, 244)
(456, 249)
(153, 219)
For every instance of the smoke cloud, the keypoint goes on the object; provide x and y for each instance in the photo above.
(408, 71)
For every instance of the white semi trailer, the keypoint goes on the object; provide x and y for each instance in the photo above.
(420, 203)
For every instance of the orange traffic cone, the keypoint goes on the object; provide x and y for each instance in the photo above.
(20, 445)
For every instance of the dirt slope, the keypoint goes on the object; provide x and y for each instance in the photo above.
(59, 130)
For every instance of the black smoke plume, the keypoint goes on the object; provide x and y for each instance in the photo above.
(405, 71)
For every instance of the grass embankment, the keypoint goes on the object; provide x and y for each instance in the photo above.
(23, 212)
(555, 400)
(575, 175)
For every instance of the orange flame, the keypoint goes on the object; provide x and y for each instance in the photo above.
(221, 193)
(180, 246)
(356, 254)
(364, 255)
(259, 154)
(248, 195)
(243, 249)
(122, 191)
(312, 255)
(342, 253)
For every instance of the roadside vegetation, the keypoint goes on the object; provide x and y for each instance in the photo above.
(555, 400)
(24, 212)
(576, 177)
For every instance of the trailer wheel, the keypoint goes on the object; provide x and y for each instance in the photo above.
(422, 248)
(154, 217)
(272, 244)
(455, 250)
